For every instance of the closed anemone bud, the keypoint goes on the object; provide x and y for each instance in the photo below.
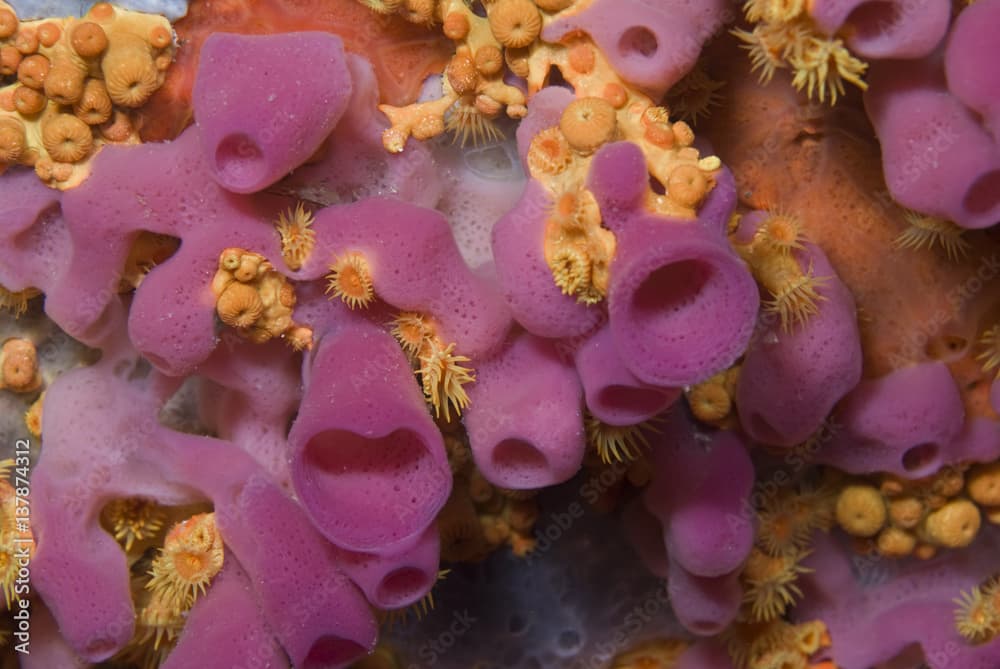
(8, 23)
(419, 11)
(686, 185)
(487, 106)
(553, 6)
(615, 94)
(906, 512)
(118, 128)
(588, 123)
(160, 37)
(894, 542)
(94, 105)
(709, 401)
(67, 138)
(229, 259)
(33, 70)
(10, 59)
(489, 59)
(48, 33)
(12, 140)
(239, 306)
(26, 41)
(28, 101)
(19, 368)
(461, 73)
(129, 72)
(456, 26)
(860, 510)
(984, 484)
(954, 525)
(515, 23)
(517, 61)
(248, 267)
(89, 39)
(64, 83)
(683, 133)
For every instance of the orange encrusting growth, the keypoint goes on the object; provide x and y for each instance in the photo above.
(255, 300)
(78, 84)
(403, 55)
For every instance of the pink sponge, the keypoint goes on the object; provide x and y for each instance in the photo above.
(525, 422)
(903, 423)
(260, 109)
(614, 395)
(228, 621)
(701, 485)
(650, 44)
(682, 304)
(936, 156)
(704, 605)
(790, 380)
(970, 61)
(373, 473)
(398, 578)
(884, 28)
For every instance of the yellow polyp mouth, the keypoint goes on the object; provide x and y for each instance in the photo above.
(191, 567)
(350, 279)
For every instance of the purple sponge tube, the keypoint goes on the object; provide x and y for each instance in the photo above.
(902, 423)
(700, 490)
(614, 395)
(416, 266)
(885, 28)
(650, 44)
(317, 614)
(791, 380)
(265, 103)
(525, 422)
(969, 60)
(936, 156)
(48, 649)
(704, 605)
(682, 304)
(397, 579)
(373, 471)
(227, 621)
(86, 590)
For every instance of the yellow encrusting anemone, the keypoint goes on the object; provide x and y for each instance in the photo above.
(928, 231)
(617, 443)
(297, 236)
(133, 519)
(976, 617)
(785, 37)
(350, 279)
(191, 556)
(990, 355)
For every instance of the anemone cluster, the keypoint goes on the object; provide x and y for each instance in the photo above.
(761, 311)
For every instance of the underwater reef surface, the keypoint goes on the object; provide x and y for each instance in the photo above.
(521, 333)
